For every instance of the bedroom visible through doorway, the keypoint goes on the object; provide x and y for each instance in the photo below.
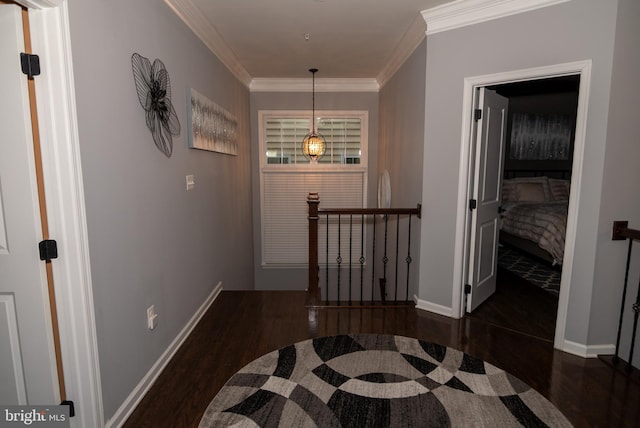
(537, 172)
(578, 74)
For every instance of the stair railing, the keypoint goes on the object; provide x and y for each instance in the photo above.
(350, 257)
(621, 231)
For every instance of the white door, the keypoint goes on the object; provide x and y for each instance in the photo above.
(490, 136)
(28, 373)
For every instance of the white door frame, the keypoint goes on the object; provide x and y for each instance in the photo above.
(62, 175)
(582, 68)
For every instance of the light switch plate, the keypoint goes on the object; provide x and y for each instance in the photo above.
(191, 182)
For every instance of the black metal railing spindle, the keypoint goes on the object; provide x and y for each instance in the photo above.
(395, 296)
(339, 257)
(350, 252)
(408, 259)
(362, 259)
(326, 269)
(624, 296)
(365, 216)
(373, 265)
(385, 260)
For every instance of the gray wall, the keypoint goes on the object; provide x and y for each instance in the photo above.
(402, 119)
(572, 31)
(401, 140)
(296, 278)
(152, 242)
(619, 186)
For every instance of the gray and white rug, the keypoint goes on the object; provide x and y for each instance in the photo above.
(376, 381)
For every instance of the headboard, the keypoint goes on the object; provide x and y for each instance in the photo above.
(512, 172)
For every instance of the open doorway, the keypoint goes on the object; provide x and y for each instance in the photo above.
(464, 238)
(536, 175)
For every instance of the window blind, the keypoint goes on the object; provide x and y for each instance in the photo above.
(284, 214)
(283, 137)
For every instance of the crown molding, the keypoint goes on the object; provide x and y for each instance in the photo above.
(39, 4)
(321, 85)
(194, 19)
(409, 42)
(461, 13)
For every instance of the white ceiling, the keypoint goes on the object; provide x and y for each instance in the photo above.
(260, 39)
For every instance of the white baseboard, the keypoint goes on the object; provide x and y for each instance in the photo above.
(574, 348)
(433, 307)
(138, 393)
(587, 351)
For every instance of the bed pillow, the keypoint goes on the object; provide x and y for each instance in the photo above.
(509, 187)
(559, 189)
(530, 192)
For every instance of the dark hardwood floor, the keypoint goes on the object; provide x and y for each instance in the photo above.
(243, 325)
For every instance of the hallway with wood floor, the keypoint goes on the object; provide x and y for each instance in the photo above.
(240, 326)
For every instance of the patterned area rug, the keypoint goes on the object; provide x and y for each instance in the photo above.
(526, 267)
(376, 381)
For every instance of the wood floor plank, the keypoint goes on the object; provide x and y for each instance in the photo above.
(242, 325)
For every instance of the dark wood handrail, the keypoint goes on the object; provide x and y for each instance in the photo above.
(621, 231)
(373, 211)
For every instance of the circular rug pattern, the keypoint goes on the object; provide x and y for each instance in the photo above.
(368, 380)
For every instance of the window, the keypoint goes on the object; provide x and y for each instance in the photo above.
(287, 177)
(284, 133)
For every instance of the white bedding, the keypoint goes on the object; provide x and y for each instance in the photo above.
(543, 223)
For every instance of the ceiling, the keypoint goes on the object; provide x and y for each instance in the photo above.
(261, 39)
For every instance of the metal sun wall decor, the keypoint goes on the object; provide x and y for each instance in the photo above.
(154, 92)
(212, 127)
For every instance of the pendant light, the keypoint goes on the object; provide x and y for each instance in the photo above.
(313, 145)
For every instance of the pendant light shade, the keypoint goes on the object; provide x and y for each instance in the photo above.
(313, 145)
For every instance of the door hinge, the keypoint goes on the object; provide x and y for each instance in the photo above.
(472, 204)
(477, 114)
(30, 64)
(72, 407)
(48, 250)
(467, 289)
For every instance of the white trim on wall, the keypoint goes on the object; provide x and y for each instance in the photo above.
(588, 351)
(193, 17)
(583, 68)
(62, 174)
(409, 42)
(461, 13)
(433, 307)
(321, 85)
(138, 393)
(39, 4)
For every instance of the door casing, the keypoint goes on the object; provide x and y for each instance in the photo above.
(62, 175)
(471, 84)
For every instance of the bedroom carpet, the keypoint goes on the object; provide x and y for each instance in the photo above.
(530, 269)
(371, 380)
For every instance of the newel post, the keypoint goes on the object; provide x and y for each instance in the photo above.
(313, 291)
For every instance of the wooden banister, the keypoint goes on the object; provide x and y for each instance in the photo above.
(621, 231)
(314, 292)
(373, 211)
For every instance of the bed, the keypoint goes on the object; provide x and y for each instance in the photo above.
(534, 216)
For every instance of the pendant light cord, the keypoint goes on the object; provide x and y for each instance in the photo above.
(313, 97)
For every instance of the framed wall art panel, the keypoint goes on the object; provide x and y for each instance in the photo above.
(212, 128)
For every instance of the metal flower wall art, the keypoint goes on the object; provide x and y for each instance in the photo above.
(154, 93)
